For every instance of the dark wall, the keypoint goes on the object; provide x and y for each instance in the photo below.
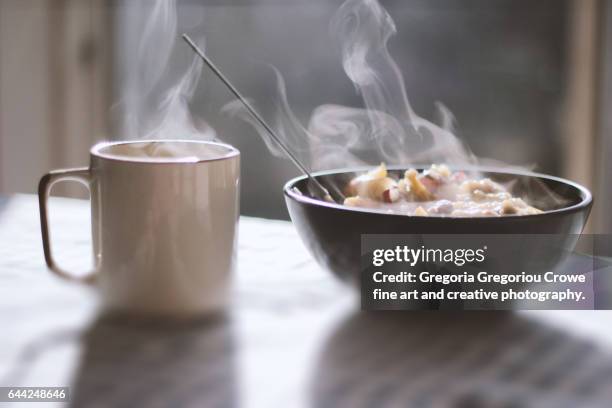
(498, 65)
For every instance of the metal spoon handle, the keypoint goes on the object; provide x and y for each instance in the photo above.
(254, 114)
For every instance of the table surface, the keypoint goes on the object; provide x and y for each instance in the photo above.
(294, 337)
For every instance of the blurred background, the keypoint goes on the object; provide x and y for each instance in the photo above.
(529, 82)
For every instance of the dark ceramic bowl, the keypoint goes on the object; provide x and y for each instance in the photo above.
(332, 232)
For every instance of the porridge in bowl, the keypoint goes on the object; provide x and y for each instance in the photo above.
(436, 191)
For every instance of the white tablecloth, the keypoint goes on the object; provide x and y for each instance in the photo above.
(293, 337)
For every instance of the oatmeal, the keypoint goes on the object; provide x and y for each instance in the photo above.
(434, 192)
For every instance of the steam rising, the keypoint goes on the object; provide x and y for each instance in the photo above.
(148, 112)
(387, 129)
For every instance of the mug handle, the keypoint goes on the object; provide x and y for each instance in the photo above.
(81, 175)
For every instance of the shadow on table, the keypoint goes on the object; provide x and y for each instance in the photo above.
(127, 363)
(435, 359)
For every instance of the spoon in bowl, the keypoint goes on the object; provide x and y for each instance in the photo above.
(338, 197)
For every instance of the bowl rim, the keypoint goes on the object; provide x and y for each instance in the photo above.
(587, 197)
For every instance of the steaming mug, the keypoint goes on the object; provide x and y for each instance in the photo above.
(164, 224)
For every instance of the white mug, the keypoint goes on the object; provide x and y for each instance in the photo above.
(164, 224)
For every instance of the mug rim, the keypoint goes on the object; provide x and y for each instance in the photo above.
(96, 151)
